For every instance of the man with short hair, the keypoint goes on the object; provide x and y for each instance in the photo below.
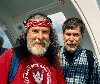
(80, 66)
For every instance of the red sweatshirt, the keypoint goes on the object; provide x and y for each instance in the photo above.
(33, 70)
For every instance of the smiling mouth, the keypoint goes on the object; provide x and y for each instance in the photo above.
(72, 45)
(40, 44)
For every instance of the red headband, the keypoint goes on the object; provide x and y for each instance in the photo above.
(38, 23)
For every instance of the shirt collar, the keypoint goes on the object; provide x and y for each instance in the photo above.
(73, 55)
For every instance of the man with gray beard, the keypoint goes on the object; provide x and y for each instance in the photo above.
(34, 59)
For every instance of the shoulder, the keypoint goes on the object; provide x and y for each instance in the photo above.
(5, 61)
(90, 53)
(7, 54)
(92, 56)
(5, 58)
(9, 51)
(86, 51)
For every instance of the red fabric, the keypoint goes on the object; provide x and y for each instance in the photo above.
(38, 23)
(30, 68)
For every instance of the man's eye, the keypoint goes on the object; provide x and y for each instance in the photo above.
(45, 32)
(68, 34)
(76, 35)
(34, 31)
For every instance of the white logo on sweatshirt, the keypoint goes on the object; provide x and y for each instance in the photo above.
(37, 71)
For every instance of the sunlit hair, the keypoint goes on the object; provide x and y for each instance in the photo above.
(73, 23)
(53, 49)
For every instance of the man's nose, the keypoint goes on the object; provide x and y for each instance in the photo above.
(71, 38)
(40, 35)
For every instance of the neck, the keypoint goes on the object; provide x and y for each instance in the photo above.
(69, 55)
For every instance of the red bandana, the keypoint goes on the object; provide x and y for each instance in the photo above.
(38, 23)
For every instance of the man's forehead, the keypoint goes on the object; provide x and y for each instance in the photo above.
(76, 29)
(39, 28)
(73, 28)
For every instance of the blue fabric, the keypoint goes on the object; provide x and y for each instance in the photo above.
(14, 66)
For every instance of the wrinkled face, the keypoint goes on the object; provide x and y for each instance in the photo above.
(72, 38)
(38, 39)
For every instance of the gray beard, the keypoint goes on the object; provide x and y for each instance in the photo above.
(38, 52)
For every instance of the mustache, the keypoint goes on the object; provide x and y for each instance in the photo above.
(70, 43)
(39, 41)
